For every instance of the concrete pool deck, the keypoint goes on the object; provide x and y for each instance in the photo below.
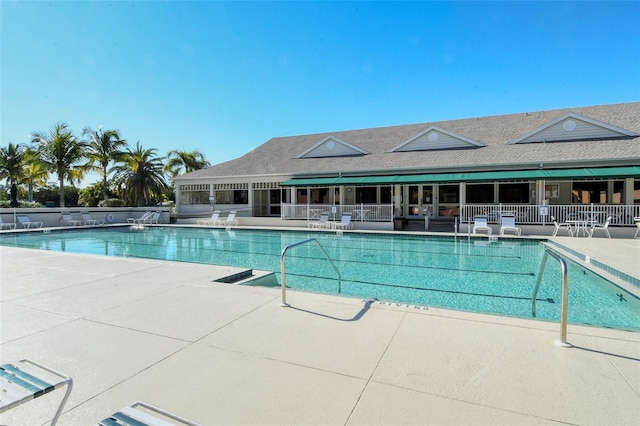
(225, 354)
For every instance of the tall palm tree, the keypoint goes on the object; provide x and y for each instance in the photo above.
(142, 172)
(35, 172)
(104, 146)
(11, 168)
(61, 153)
(179, 162)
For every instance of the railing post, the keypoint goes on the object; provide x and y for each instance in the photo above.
(565, 296)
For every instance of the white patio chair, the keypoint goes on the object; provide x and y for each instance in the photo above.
(213, 220)
(481, 223)
(322, 222)
(508, 224)
(146, 215)
(598, 226)
(25, 222)
(345, 222)
(637, 221)
(88, 220)
(144, 414)
(67, 220)
(558, 226)
(231, 219)
(4, 225)
(25, 380)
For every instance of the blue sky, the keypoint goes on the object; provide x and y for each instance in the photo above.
(224, 77)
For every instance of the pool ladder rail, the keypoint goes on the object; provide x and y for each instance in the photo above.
(284, 274)
(565, 295)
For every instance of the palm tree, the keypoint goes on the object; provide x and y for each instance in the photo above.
(61, 152)
(142, 172)
(35, 172)
(179, 162)
(104, 147)
(11, 168)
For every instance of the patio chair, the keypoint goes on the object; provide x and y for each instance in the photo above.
(146, 215)
(322, 222)
(231, 219)
(25, 222)
(558, 226)
(480, 223)
(345, 222)
(26, 380)
(508, 224)
(88, 220)
(213, 220)
(598, 226)
(67, 220)
(144, 414)
(637, 222)
(6, 225)
(154, 219)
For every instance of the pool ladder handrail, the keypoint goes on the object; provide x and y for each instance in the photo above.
(284, 275)
(565, 295)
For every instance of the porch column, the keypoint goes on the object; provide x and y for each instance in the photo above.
(628, 191)
(250, 198)
(397, 201)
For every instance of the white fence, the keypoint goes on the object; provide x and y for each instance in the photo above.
(359, 212)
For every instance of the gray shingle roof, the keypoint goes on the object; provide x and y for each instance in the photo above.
(278, 155)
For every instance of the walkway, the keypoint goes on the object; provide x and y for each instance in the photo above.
(224, 354)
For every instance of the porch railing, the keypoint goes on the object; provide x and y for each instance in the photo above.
(359, 212)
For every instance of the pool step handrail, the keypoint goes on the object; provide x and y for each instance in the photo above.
(284, 275)
(565, 295)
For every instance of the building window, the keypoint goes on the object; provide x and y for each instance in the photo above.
(589, 192)
(385, 195)
(513, 193)
(238, 196)
(481, 193)
(366, 195)
(194, 197)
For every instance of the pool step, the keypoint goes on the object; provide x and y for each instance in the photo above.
(234, 278)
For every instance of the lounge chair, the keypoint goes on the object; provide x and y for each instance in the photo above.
(345, 222)
(68, 220)
(599, 226)
(142, 413)
(213, 220)
(88, 220)
(6, 225)
(154, 219)
(25, 222)
(558, 226)
(231, 219)
(141, 219)
(26, 380)
(637, 221)
(508, 224)
(322, 222)
(480, 223)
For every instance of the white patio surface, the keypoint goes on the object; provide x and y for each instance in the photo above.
(226, 354)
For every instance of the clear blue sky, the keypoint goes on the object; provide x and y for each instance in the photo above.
(224, 77)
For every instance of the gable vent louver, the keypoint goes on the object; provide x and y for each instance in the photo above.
(436, 138)
(332, 147)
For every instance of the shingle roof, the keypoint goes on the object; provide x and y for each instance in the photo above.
(278, 155)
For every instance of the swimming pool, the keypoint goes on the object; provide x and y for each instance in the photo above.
(478, 275)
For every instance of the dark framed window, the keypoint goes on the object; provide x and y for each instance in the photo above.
(513, 193)
(480, 193)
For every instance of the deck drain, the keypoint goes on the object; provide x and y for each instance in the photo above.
(234, 278)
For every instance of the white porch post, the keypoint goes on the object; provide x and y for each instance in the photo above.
(397, 201)
(250, 198)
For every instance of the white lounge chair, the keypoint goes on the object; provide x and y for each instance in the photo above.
(68, 220)
(345, 222)
(508, 224)
(558, 226)
(213, 220)
(25, 222)
(4, 225)
(144, 414)
(480, 223)
(145, 216)
(637, 221)
(88, 220)
(599, 226)
(322, 222)
(231, 219)
(154, 219)
(25, 380)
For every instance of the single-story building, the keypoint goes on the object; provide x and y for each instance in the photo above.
(561, 163)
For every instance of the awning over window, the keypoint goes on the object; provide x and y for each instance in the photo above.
(603, 172)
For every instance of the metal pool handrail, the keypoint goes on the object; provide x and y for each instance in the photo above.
(565, 295)
(284, 275)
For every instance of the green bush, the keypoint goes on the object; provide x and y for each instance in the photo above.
(112, 202)
(22, 204)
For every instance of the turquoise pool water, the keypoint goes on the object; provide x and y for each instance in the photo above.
(496, 277)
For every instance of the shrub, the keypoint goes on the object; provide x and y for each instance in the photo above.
(112, 202)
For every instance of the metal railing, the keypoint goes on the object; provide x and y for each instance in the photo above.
(565, 295)
(360, 212)
(284, 275)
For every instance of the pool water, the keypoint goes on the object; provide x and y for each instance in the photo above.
(478, 275)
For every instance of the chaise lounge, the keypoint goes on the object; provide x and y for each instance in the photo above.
(25, 222)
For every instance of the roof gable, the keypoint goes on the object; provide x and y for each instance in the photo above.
(436, 138)
(571, 127)
(332, 147)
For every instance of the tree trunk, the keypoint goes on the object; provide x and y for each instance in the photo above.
(61, 179)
